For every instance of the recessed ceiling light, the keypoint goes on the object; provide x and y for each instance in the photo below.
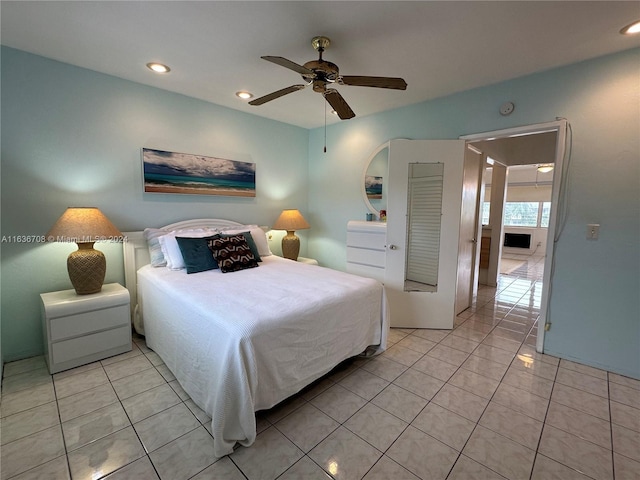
(545, 167)
(244, 95)
(158, 67)
(631, 29)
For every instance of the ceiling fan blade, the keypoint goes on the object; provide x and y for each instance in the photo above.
(339, 104)
(377, 82)
(283, 62)
(278, 94)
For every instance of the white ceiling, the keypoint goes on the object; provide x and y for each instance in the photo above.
(214, 48)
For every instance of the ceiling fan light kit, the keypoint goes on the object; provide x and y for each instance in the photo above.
(321, 74)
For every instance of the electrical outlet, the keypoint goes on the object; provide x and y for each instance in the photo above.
(593, 231)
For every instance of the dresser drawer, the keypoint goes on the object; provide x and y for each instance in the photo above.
(90, 344)
(87, 322)
(365, 256)
(374, 241)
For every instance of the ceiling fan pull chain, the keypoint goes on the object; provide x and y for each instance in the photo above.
(325, 127)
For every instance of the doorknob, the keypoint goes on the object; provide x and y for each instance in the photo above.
(393, 247)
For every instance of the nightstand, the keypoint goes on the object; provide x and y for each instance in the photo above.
(80, 329)
(308, 261)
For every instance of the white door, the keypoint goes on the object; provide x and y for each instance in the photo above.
(469, 235)
(434, 308)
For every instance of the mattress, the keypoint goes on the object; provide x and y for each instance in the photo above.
(244, 341)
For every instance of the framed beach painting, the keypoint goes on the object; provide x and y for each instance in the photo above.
(184, 173)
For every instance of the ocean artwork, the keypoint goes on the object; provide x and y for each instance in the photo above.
(184, 173)
(373, 187)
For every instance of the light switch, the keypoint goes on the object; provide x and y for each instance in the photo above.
(593, 231)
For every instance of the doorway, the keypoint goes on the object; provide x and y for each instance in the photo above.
(526, 145)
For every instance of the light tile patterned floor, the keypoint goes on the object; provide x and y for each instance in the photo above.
(474, 403)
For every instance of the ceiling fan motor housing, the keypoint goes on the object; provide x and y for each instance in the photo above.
(323, 72)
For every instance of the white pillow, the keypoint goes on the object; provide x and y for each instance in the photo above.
(171, 250)
(258, 234)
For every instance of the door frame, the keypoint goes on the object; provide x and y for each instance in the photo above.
(557, 194)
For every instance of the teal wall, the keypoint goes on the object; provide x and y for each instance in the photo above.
(596, 285)
(72, 137)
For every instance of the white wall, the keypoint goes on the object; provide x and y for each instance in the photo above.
(594, 301)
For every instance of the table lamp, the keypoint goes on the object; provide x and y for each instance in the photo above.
(84, 225)
(290, 220)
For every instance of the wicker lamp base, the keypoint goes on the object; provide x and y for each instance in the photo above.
(87, 268)
(290, 246)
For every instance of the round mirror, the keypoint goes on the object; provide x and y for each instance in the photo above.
(375, 179)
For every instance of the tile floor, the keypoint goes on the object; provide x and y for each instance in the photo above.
(474, 403)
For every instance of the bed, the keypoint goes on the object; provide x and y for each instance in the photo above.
(244, 341)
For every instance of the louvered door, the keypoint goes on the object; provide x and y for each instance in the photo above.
(423, 242)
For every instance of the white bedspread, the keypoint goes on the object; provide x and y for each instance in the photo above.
(244, 341)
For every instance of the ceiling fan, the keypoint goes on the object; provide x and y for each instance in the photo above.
(321, 74)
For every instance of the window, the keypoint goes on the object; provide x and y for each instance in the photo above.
(544, 215)
(521, 214)
(486, 209)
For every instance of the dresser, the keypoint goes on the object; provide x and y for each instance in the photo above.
(366, 246)
(80, 329)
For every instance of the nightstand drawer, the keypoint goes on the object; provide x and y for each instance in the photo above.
(90, 344)
(87, 322)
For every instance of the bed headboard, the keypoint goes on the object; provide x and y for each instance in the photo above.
(136, 255)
